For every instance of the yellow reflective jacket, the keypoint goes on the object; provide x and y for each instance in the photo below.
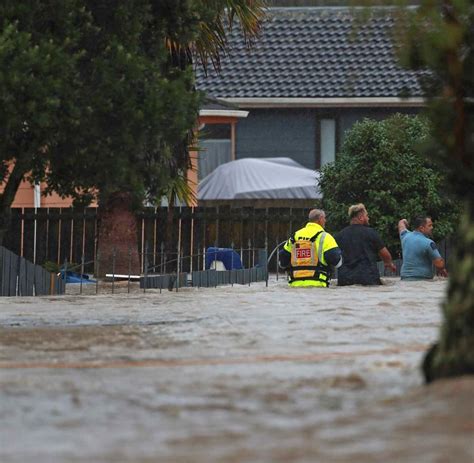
(308, 266)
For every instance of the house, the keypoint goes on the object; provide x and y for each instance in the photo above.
(217, 119)
(313, 73)
(216, 137)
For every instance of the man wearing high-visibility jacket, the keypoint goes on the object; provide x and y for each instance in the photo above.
(309, 253)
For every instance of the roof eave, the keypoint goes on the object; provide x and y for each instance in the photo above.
(223, 113)
(373, 102)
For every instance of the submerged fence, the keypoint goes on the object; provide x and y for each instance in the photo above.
(214, 272)
(204, 279)
(19, 277)
(209, 277)
(171, 242)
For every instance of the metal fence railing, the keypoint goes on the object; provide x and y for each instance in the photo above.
(170, 275)
(163, 278)
(22, 278)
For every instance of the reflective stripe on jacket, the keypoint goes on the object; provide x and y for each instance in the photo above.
(307, 247)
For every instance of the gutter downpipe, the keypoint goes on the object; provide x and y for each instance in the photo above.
(37, 204)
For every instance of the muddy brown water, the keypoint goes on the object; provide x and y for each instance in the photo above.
(229, 374)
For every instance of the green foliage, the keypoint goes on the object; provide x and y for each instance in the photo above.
(37, 71)
(178, 190)
(379, 165)
(54, 267)
(51, 266)
(436, 40)
(89, 100)
(97, 96)
(199, 29)
(439, 44)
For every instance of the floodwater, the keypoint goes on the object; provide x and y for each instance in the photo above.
(230, 374)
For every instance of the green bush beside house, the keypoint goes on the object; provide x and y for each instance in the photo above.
(380, 165)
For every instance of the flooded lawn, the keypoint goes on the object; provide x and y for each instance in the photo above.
(230, 374)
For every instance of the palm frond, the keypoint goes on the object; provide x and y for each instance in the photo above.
(212, 42)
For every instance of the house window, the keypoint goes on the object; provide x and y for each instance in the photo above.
(213, 153)
(215, 148)
(216, 132)
(327, 130)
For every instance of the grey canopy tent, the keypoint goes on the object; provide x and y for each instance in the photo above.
(260, 179)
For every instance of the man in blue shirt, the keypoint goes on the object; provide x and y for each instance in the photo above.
(419, 251)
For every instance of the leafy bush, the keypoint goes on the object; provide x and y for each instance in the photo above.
(51, 266)
(380, 166)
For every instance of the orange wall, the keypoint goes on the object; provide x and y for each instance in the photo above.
(192, 174)
(25, 197)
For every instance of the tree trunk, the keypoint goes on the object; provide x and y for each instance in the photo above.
(5, 220)
(118, 238)
(453, 355)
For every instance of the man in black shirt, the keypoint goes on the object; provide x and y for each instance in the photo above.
(361, 246)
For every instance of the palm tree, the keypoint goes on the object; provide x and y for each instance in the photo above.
(196, 34)
(216, 20)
